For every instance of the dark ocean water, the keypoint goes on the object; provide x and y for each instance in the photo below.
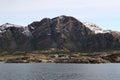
(53, 71)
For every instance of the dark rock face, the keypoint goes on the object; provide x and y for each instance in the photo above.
(12, 38)
(101, 42)
(60, 32)
(63, 32)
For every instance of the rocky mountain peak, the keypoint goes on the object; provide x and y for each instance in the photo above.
(64, 18)
(68, 23)
(6, 25)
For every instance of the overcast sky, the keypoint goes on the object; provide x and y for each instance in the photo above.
(104, 13)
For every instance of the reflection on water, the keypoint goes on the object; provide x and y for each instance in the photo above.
(52, 71)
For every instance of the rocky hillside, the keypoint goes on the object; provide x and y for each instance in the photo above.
(63, 32)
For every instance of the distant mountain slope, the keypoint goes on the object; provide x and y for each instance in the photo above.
(62, 32)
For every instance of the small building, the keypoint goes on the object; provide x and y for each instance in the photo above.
(63, 56)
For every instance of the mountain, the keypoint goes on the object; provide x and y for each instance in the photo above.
(62, 32)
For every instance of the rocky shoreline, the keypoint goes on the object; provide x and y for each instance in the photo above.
(83, 60)
(62, 58)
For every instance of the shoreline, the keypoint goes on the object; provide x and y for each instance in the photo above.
(78, 57)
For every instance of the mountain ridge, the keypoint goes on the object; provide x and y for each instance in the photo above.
(62, 32)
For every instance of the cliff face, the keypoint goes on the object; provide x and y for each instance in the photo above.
(60, 32)
(13, 37)
(63, 32)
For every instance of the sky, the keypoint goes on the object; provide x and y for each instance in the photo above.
(104, 13)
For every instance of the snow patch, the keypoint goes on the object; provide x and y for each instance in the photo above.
(32, 27)
(61, 17)
(95, 28)
(27, 32)
(6, 25)
(0, 31)
(49, 34)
